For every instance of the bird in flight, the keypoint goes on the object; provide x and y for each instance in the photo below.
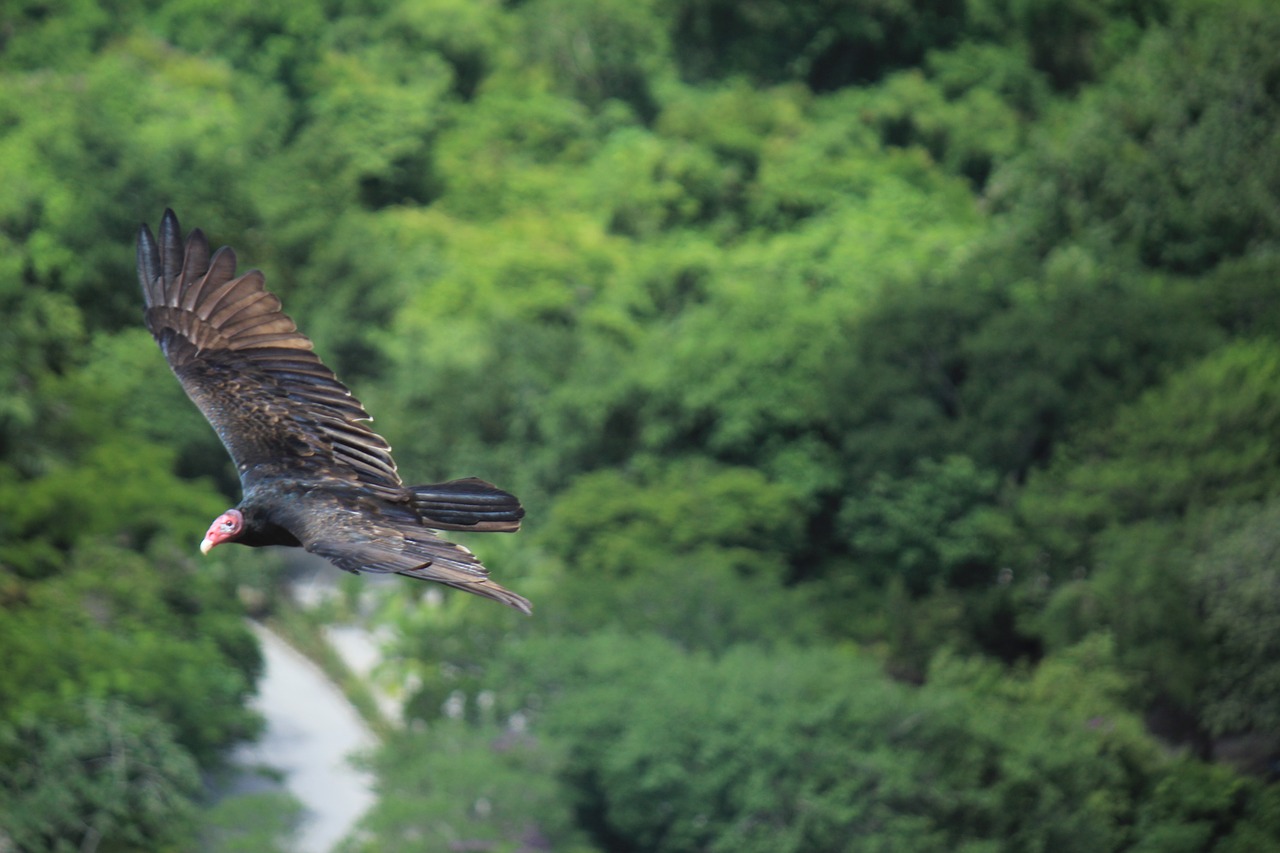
(313, 473)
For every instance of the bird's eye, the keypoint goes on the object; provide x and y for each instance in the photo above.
(228, 526)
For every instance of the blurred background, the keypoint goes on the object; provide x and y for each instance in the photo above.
(894, 390)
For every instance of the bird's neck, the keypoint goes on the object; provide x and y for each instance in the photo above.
(261, 529)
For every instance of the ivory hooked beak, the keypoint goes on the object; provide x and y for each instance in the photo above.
(206, 546)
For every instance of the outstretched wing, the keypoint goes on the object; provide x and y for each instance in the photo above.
(278, 410)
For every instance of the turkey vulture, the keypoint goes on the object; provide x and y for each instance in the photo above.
(313, 473)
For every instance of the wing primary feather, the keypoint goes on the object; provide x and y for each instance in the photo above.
(238, 299)
(195, 264)
(170, 253)
(266, 321)
(222, 266)
(228, 293)
(149, 266)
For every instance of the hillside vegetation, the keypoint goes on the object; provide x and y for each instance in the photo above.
(894, 389)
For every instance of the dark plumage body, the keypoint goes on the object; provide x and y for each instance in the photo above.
(314, 475)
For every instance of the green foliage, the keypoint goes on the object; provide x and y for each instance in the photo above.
(369, 130)
(1206, 807)
(454, 786)
(45, 335)
(962, 123)
(110, 778)
(1169, 159)
(1138, 590)
(815, 750)
(180, 134)
(1198, 440)
(1117, 332)
(683, 508)
(149, 631)
(933, 527)
(597, 51)
(1071, 42)
(819, 339)
(824, 44)
(712, 541)
(125, 668)
(252, 823)
(1237, 581)
(67, 31)
(1125, 521)
(276, 41)
(771, 374)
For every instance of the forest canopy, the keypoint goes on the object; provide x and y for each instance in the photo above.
(893, 389)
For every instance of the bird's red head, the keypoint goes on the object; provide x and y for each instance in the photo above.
(225, 528)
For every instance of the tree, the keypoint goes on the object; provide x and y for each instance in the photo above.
(937, 526)
(814, 749)
(111, 778)
(1196, 441)
(1237, 582)
(457, 786)
(1165, 160)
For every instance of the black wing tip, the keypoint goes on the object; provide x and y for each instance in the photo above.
(153, 254)
(171, 251)
(169, 221)
(170, 230)
(168, 215)
(148, 259)
(162, 261)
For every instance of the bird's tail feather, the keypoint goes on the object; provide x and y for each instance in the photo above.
(470, 504)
